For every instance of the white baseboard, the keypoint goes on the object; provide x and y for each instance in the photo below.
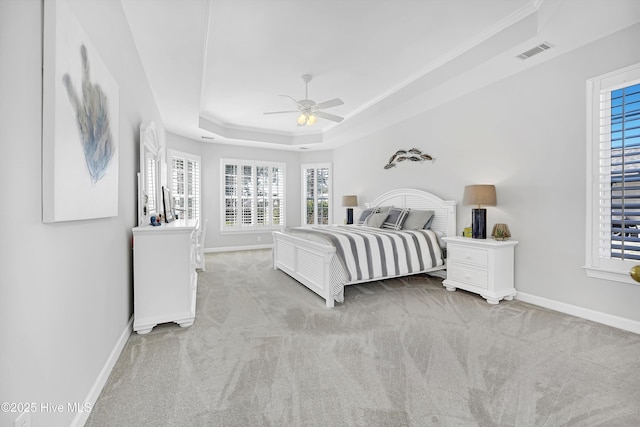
(585, 313)
(238, 248)
(92, 397)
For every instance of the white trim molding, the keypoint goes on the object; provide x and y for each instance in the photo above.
(82, 415)
(584, 313)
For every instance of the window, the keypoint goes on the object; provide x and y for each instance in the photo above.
(253, 195)
(613, 196)
(185, 184)
(316, 194)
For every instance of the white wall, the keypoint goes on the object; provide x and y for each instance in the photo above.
(527, 135)
(65, 288)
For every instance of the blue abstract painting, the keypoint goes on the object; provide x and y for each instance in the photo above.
(80, 122)
(92, 116)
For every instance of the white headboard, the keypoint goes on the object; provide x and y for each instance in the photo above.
(445, 210)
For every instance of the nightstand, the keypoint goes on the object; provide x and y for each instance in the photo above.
(483, 266)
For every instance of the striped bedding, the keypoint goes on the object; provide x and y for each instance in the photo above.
(368, 253)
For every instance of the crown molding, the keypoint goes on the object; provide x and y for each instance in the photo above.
(233, 132)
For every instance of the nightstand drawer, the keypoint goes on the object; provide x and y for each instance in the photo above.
(467, 255)
(470, 275)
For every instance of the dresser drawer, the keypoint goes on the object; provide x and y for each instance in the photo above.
(465, 274)
(467, 255)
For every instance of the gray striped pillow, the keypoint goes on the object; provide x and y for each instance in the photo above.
(395, 219)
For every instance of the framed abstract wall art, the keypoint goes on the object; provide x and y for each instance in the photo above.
(80, 123)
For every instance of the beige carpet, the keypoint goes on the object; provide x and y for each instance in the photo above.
(264, 351)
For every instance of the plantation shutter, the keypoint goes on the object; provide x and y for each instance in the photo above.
(309, 195)
(193, 189)
(277, 195)
(263, 213)
(231, 180)
(620, 173)
(246, 183)
(322, 191)
(253, 195)
(316, 194)
(185, 184)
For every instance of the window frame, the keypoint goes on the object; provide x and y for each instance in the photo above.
(254, 227)
(595, 265)
(303, 210)
(188, 157)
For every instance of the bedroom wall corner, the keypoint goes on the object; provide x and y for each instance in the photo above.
(211, 154)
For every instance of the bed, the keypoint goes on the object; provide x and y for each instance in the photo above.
(306, 254)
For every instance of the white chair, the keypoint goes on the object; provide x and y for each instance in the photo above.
(200, 235)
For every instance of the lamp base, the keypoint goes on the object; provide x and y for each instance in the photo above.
(349, 215)
(479, 223)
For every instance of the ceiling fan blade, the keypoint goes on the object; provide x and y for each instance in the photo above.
(331, 103)
(281, 112)
(328, 116)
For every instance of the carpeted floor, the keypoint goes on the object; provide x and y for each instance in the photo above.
(265, 351)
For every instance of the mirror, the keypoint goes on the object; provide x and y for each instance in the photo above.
(148, 178)
(167, 203)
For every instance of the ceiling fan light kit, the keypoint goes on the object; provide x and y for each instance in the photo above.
(306, 119)
(309, 110)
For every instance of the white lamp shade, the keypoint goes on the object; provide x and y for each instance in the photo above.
(349, 201)
(479, 195)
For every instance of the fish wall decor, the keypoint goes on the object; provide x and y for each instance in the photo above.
(412, 155)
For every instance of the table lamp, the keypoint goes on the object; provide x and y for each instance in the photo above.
(479, 195)
(349, 202)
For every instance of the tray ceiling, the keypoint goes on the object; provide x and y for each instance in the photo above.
(215, 66)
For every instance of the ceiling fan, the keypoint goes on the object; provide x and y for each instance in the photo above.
(308, 110)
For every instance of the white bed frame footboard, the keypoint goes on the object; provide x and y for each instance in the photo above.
(316, 265)
(308, 262)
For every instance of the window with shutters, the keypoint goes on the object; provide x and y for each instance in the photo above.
(316, 194)
(184, 173)
(613, 205)
(253, 195)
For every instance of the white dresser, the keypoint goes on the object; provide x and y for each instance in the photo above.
(483, 266)
(164, 275)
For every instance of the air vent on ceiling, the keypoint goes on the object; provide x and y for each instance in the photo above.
(210, 138)
(536, 50)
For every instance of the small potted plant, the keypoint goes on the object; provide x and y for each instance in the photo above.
(501, 232)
